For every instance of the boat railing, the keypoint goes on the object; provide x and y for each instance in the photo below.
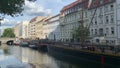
(98, 48)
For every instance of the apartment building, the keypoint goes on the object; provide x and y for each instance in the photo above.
(105, 25)
(33, 27)
(71, 18)
(25, 29)
(52, 28)
(17, 30)
(21, 30)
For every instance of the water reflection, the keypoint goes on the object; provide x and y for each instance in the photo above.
(39, 60)
(43, 60)
(10, 60)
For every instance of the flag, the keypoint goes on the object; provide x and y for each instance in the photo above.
(89, 3)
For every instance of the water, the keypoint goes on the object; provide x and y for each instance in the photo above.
(37, 59)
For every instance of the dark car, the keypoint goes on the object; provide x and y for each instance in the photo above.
(33, 44)
(23, 44)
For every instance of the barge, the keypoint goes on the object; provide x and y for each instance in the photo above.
(86, 54)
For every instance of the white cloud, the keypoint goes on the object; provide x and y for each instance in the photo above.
(34, 9)
(8, 22)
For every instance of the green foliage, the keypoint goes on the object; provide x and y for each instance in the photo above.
(12, 7)
(80, 33)
(8, 32)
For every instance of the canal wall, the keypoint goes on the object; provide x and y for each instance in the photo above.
(83, 55)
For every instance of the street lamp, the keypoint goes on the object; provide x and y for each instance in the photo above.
(0, 28)
(0, 32)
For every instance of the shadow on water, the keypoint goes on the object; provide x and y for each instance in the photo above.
(6, 52)
(69, 63)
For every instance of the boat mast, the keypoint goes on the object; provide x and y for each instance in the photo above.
(82, 24)
(92, 17)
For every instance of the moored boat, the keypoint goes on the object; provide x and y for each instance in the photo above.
(91, 54)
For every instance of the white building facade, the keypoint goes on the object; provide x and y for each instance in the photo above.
(25, 29)
(52, 28)
(21, 30)
(17, 30)
(105, 26)
(70, 19)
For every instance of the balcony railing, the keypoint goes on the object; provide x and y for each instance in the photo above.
(98, 35)
(62, 24)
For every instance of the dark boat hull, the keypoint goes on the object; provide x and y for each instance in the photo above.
(77, 55)
(42, 48)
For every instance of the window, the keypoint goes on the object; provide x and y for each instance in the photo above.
(91, 12)
(112, 18)
(75, 15)
(111, 7)
(91, 31)
(95, 31)
(107, 20)
(106, 8)
(94, 3)
(86, 14)
(112, 30)
(91, 23)
(95, 20)
(101, 31)
(101, 11)
(107, 41)
(101, 19)
(101, 2)
(107, 31)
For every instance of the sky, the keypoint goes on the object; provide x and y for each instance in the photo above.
(38, 8)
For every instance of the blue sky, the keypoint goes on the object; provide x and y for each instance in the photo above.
(38, 8)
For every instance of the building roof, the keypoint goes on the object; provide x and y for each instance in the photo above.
(32, 20)
(52, 17)
(38, 18)
(17, 24)
(71, 5)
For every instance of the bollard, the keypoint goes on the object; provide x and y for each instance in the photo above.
(0, 42)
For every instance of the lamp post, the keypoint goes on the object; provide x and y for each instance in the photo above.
(0, 29)
(82, 24)
(0, 32)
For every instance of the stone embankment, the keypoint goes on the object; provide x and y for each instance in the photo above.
(4, 40)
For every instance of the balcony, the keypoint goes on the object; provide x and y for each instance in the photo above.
(62, 24)
(98, 35)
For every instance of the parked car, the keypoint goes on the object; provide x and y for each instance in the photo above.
(16, 43)
(33, 44)
(24, 44)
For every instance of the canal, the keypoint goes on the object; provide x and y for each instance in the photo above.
(31, 58)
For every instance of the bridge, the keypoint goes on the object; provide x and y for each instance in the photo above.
(4, 40)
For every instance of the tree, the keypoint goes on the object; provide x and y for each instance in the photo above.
(12, 7)
(8, 32)
(80, 33)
